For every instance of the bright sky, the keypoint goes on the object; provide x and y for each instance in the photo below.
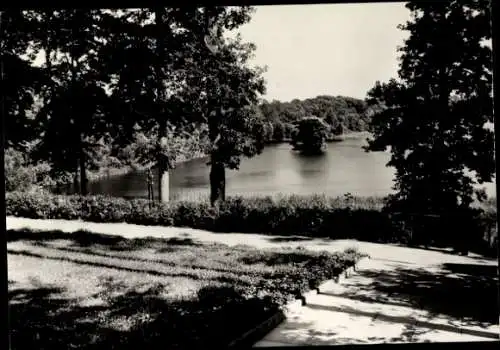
(332, 49)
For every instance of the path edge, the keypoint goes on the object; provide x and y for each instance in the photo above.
(256, 334)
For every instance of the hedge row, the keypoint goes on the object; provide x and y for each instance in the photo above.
(315, 216)
(305, 271)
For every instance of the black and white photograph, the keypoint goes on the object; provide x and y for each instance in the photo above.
(244, 176)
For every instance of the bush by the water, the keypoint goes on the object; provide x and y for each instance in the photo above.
(22, 175)
(315, 216)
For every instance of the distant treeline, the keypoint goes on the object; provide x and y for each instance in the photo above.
(342, 114)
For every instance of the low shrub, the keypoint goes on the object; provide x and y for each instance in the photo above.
(345, 217)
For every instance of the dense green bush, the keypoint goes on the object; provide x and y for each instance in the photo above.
(24, 175)
(315, 216)
(17, 176)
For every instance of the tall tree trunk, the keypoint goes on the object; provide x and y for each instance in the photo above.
(48, 47)
(217, 167)
(77, 122)
(3, 219)
(83, 171)
(162, 162)
(76, 184)
(163, 165)
(217, 181)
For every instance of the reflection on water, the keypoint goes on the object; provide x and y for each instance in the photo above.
(344, 168)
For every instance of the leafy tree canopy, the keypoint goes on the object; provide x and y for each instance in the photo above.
(433, 117)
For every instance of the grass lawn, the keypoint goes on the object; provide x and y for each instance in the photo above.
(89, 291)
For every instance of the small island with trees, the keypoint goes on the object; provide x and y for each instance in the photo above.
(310, 136)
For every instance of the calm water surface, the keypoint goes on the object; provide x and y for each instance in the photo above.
(344, 168)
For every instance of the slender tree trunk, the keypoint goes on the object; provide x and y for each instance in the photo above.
(162, 162)
(83, 170)
(77, 122)
(76, 184)
(163, 166)
(217, 181)
(217, 168)
(445, 210)
(48, 47)
(83, 176)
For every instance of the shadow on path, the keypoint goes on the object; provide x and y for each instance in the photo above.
(287, 239)
(467, 292)
(404, 320)
(82, 238)
(485, 254)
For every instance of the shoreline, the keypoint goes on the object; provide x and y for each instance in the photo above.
(112, 172)
(353, 135)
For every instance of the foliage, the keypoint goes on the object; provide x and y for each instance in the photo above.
(314, 216)
(279, 132)
(145, 83)
(72, 104)
(17, 177)
(183, 143)
(23, 176)
(341, 114)
(433, 118)
(24, 173)
(311, 135)
(21, 82)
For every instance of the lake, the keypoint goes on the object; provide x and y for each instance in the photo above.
(344, 168)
